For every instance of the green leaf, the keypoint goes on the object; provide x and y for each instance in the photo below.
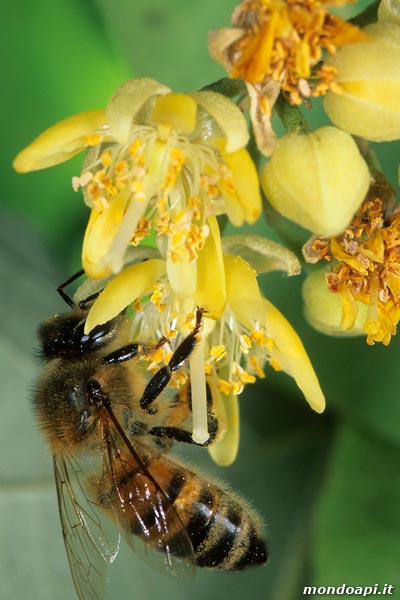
(168, 40)
(56, 61)
(357, 533)
(33, 561)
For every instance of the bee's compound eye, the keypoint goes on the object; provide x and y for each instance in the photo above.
(63, 336)
(95, 339)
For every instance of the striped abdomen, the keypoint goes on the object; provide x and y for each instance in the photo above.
(224, 531)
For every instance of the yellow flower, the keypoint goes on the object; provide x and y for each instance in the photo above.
(323, 310)
(369, 76)
(317, 179)
(389, 10)
(279, 44)
(158, 160)
(365, 271)
(241, 331)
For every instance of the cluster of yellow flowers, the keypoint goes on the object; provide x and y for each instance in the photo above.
(161, 167)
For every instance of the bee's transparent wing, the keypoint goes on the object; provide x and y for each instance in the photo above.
(91, 541)
(144, 511)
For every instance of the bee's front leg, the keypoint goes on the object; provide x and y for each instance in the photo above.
(161, 379)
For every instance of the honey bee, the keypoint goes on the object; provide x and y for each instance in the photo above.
(109, 429)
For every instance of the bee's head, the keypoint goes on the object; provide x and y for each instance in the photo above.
(70, 395)
(64, 408)
(62, 336)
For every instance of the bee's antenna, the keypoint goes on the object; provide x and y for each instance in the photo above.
(61, 287)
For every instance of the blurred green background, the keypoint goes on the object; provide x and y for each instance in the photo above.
(327, 486)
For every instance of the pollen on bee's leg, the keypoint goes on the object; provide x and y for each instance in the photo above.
(200, 433)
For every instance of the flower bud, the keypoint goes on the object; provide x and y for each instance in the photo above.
(323, 309)
(389, 10)
(369, 75)
(318, 180)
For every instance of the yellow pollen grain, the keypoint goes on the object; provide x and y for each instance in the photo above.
(207, 368)
(94, 191)
(195, 204)
(93, 139)
(261, 339)
(160, 355)
(162, 203)
(174, 168)
(177, 155)
(157, 296)
(174, 256)
(245, 343)
(275, 364)
(137, 306)
(120, 167)
(245, 377)
(217, 353)
(188, 322)
(178, 379)
(256, 366)
(81, 181)
(137, 186)
(229, 387)
(172, 333)
(135, 147)
(106, 158)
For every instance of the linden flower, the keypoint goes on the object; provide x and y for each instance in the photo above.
(241, 331)
(369, 75)
(365, 268)
(323, 310)
(389, 10)
(317, 179)
(278, 45)
(154, 159)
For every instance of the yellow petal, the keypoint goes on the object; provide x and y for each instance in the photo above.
(211, 292)
(181, 272)
(290, 355)
(176, 111)
(130, 284)
(227, 115)
(99, 236)
(233, 208)
(114, 259)
(245, 179)
(242, 291)
(60, 142)
(126, 103)
(224, 451)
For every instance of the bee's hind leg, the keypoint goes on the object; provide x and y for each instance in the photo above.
(181, 435)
